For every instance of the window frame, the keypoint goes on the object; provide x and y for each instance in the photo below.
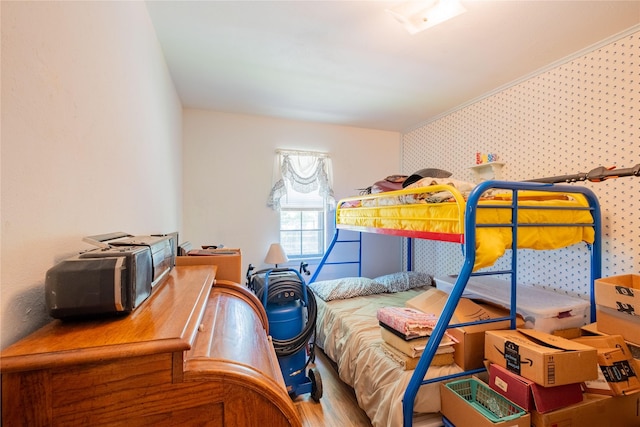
(322, 231)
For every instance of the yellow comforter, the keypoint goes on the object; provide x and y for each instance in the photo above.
(445, 221)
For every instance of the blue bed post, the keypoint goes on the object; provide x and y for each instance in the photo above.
(596, 251)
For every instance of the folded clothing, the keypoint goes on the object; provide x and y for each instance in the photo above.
(408, 363)
(409, 322)
(414, 347)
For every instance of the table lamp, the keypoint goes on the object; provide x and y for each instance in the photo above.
(276, 255)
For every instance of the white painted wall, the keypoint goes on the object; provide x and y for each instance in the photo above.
(228, 172)
(91, 141)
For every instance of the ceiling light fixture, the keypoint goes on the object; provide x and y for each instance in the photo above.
(417, 16)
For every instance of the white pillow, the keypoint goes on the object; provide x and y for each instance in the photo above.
(347, 287)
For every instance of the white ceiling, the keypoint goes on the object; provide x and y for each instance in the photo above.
(350, 63)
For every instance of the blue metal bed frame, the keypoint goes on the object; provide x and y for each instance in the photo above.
(417, 379)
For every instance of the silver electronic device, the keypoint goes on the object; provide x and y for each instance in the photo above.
(115, 278)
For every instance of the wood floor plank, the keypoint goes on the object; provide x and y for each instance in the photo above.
(338, 405)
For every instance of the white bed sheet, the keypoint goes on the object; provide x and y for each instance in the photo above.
(349, 333)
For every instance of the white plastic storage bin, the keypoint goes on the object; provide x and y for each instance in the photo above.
(543, 310)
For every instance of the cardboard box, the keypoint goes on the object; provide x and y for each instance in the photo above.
(590, 329)
(529, 395)
(569, 334)
(462, 412)
(592, 411)
(546, 359)
(612, 322)
(624, 411)
(595, 410)
(621, 293)
(618, 373)
(228, 261)
(469, 351)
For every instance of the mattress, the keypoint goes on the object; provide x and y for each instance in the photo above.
(349, 333)
(392, 213)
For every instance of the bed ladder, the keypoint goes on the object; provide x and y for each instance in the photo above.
(336, 240)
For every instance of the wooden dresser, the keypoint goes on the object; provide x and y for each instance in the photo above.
(197, 352)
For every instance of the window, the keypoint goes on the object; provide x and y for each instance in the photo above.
(302, 224)
(301, 193)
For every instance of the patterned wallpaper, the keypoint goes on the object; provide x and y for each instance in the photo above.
(576, 116)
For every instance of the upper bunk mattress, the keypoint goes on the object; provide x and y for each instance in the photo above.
(546, 221)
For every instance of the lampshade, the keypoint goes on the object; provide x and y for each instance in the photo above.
(276, 255)
(417, 16)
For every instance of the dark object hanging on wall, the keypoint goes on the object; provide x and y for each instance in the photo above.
(595, 175)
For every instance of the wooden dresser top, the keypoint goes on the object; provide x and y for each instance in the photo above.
(166, 322)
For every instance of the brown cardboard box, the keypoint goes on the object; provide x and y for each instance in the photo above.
(469, 351)
(592, 411)
(595, 410)
(618, 370)
(624, 411)
(612, 322)
(592, 329)
(462, 412)
(621, 293)
(228, 261)
(544, 358)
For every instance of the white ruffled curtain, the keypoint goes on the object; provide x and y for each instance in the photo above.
(303, 172)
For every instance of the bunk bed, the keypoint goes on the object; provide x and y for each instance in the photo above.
(486, 222)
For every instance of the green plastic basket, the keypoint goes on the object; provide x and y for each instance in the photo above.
(486, 401)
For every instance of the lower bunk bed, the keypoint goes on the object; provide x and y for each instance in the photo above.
(349, 334)
(486, 221)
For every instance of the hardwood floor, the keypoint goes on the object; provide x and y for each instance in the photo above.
(337, 407)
